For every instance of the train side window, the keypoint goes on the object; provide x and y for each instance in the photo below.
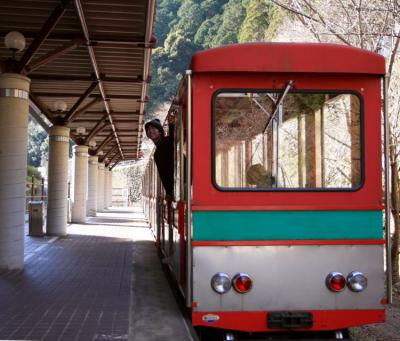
(179, 155)
(308, 141)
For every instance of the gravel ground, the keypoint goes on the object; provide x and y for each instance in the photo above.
(390, 330)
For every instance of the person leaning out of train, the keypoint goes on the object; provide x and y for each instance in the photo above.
(164, 154)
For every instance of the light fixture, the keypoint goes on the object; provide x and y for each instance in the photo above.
(80, 130)
(221, 283)
(15, 41)
(356, 281)
(242, 283)
(335, 281)
(60, 105)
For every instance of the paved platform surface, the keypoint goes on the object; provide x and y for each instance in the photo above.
(101, 282)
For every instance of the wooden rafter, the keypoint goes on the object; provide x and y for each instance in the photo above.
(96, 40)
(113, 149)
(68, 94)
(84, 109)
(116, 163)
(75, 107)
(113, 158)
(96, 129)
(73, 44)
(44, 32)
(44, 77)
(42, 107)
(105, 142)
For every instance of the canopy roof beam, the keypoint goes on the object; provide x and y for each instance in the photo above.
(75, 107)
(96, 129)
(44, 32)
(105, 142)
(47, 58)
(96, 70)
(104, 78)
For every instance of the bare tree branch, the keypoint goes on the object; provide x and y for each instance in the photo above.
(392, 57)
(360, 29)
(322, 21)
(292, 10)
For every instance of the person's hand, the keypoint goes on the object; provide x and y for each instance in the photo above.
(171, 117)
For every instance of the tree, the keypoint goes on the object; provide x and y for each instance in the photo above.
(373, 26)
(232, 18)
(166, 16)
(256, 21)
(37, 142)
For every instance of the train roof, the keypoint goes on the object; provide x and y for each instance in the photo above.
(288, 57)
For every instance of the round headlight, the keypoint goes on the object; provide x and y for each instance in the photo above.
(221, 283)
(335, 281)
(356, 281)
(242, 283)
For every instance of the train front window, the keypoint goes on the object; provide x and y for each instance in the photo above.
(303, 141)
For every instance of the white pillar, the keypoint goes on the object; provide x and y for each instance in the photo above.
(80, 184)
(109, 188)
(14, 108)
(100, 187)
(58, 181)
(92, 186)
(106, 185)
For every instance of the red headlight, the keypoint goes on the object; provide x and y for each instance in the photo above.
(335, 281)
(242, 283)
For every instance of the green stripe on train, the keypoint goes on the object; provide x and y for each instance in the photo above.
(286, 225)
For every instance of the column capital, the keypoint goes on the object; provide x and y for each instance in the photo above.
(59, 134)
(81, 150)
(93, 160)
(14, 81)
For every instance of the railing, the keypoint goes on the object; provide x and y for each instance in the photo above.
(36, 190)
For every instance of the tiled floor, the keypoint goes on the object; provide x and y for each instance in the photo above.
(73, 288)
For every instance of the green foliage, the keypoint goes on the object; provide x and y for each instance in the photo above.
(256, 21)
(37, 144)
(276, 17)
(233, 15)
(32, 171)
(187, 26)
(166, 15)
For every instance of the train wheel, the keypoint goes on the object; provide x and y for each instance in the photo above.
(342, 334)
(229, 336)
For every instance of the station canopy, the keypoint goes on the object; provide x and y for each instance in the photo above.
(93, 56)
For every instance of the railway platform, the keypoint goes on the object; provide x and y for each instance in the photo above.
(103, 281)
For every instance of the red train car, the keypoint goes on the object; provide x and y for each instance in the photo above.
(280, 225)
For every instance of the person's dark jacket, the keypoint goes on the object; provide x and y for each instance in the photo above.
(164, 157)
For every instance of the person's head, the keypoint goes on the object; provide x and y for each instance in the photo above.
(257, 175)
(154, 130)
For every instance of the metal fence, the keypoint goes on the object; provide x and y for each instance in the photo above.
(36, 190)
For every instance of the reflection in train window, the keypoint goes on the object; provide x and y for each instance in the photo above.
(267, 140)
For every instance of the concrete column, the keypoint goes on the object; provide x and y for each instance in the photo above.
(100, 188)
(106, 185)
(109, 188)
(58, 181)
(80, 184)
(14, 108)
(92, 186)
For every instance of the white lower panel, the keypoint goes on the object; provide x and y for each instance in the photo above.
(287, 277)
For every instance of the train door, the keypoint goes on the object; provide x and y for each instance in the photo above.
(178, 215)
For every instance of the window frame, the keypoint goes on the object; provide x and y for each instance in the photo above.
(292, 91)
